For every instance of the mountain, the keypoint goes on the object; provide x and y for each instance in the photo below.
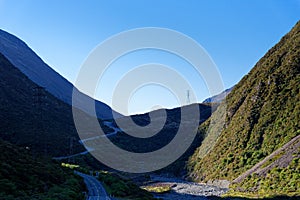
(31, 116)
(29, 63)
(262, 115)
(219, 97)
(163, 136)
(35, 126)
(181, 118)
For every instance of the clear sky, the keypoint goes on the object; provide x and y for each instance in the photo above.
(235, 33)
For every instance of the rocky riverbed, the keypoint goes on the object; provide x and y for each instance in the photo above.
(184, 190)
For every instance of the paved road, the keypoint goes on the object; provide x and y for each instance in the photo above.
(107, 123)
(71, 156)
(110, 125)
(95, 188)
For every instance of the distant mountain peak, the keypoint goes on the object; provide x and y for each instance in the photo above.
(219, 97)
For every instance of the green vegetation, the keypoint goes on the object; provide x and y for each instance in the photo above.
(278, 181)
(71, 166)
(23, 177)
(42, 129)
(162, 188)
(262, 114)
(242, 196)
(123, 188)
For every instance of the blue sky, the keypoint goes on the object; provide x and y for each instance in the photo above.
(235, 34)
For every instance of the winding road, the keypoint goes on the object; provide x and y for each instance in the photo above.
(95, 188)
(107, 123)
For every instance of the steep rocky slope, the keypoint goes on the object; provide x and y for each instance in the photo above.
(262, 114)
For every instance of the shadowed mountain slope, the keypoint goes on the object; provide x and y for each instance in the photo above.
(29, 63)
(31, 116)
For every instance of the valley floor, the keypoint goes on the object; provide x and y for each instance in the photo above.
(184, 190)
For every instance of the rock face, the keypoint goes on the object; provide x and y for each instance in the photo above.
(262, 115)
(219, 183)
(29, 63)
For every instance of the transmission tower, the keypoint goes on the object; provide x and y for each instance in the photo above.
(188, 101)
(38, 123)
(71, 150)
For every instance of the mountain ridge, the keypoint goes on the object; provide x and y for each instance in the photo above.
(219, 97)
(29, 63)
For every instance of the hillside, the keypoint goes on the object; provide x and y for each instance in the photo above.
(174, 119)
(29, 63)
(30, 116)
(282, 157)
(35, 126)
(278, 173)
(162, 137)
(262, 115)
(165, 135)
(24, 177)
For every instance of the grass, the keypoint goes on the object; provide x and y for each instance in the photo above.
(158, 188)
(70, 166)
